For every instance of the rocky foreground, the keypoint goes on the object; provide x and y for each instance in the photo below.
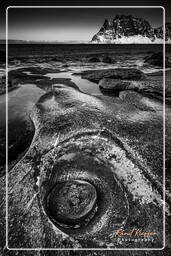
(113, 81)
(106, 148)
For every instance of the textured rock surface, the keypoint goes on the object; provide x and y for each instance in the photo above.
(119, 138)
(118, 73)
(133, 123)
(156, 59)
(149, 87)
(128, 29)
(71, 201)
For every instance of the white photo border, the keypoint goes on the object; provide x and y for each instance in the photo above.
(85, 249)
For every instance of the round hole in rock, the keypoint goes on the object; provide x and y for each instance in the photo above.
(71, 201)
(79, 161)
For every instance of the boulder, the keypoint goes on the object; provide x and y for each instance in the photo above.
(94, 59)
(150, 88)
(108, 59)
(118, 73)
(156, 59)
(111, 85)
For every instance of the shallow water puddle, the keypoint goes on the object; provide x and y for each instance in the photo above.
(83, 84)
(20, 102)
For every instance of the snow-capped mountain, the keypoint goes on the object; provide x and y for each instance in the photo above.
(128, 29)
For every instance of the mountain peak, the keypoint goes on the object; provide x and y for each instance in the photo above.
(105, 26)
(129, 29)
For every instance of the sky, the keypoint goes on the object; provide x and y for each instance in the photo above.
(69, 24)
(64, 24)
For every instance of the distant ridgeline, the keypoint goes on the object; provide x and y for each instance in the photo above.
(127, 29)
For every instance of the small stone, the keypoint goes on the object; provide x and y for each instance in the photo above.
(71, 201)
(94, 59)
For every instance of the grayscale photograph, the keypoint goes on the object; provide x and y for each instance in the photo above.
(85, 131)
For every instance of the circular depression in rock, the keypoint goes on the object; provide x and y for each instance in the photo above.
(71, 201)
(80, 191)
